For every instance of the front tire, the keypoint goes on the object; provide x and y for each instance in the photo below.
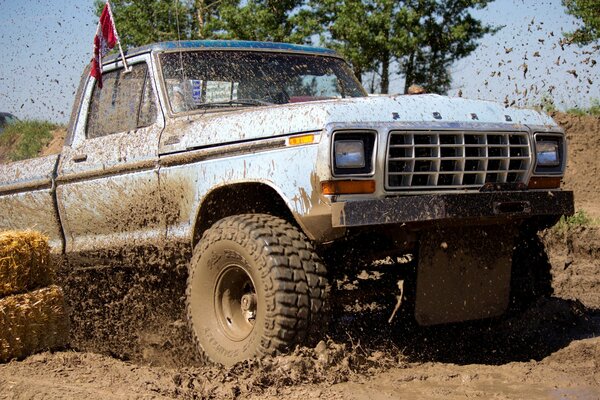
(530, 275)
(248, 293)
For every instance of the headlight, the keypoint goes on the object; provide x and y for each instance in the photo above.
(352, 153)
(349, 154)
(547, 153)
(551, 154)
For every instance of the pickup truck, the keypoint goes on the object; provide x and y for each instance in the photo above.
(272, 166)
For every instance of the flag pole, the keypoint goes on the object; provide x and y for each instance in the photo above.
(127, 69)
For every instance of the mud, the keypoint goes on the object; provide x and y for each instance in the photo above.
(583, 170)
(129, 337)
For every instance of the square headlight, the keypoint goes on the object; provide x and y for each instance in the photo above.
(353, 152)
(550, 153)
(547, 153)
(349, 154)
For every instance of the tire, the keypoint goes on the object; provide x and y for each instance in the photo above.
(254, 287)
(530, 275)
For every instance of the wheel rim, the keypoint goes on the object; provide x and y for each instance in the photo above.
(235, 302)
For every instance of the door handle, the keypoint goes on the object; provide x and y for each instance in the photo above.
(79, 158)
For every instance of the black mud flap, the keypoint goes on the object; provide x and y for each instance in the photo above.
(463, 273)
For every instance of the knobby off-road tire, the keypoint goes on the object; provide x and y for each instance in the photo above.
(530, 274)
(255, 287)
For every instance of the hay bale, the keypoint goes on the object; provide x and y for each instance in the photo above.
(32, 322)
(24, 262)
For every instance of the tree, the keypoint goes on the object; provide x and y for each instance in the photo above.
(141, 22)
(438, 33)
(423, 36)
(262, 20)
(588, 12)
(360, 30)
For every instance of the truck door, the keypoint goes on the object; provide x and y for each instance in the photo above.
(107, 184)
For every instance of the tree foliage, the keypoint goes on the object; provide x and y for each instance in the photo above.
(419, 39)
(359, 30)
(263, 20)
(140, 22)
(588, 12)
(423, 36)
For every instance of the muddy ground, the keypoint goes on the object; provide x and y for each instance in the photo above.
(129, 339)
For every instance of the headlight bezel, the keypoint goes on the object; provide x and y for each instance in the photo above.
(368, 139)
(553, 168)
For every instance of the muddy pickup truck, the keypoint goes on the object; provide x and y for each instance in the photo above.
(276, 172)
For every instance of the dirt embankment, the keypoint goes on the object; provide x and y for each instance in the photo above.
(51, 146)
(583, 166)
(550, 350)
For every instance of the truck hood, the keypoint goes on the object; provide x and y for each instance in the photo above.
(209, 129)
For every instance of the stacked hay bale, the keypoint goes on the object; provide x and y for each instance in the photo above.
(32, 310)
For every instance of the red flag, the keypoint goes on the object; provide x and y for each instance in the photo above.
(106, 38)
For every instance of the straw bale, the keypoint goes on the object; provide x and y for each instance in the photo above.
(32, 322)
(24, 262)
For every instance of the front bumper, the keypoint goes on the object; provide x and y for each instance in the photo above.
(453, 207)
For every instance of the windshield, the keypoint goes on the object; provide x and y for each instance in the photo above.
(223, 79)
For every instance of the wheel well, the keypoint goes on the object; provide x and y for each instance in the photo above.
(242, 198)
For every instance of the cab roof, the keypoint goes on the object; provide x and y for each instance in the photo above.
(222, 44)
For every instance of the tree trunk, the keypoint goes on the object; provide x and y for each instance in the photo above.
(409, 67)
(358, 73)
(385, 73)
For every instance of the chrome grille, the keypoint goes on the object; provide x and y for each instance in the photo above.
(456, 160)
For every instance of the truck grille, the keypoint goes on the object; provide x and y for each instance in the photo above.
(456, 160)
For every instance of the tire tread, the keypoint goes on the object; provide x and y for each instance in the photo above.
(298, 287)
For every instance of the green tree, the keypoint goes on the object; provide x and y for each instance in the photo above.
(588, 12)
(262, 20)
(208, 17)
(424, 37)
(362, 31)
(421, 37)
(141, 22)
(437, 34)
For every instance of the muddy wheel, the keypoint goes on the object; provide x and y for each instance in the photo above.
(530, 275)
(254, 287)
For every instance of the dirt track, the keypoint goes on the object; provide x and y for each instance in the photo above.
(549, 351)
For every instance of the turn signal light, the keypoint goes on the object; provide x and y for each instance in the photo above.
(348, 187)
(544, 182)
(300, 140)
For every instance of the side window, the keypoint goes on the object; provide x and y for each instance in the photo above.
(125, 102)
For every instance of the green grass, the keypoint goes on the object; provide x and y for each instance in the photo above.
(25, 139)
(593, 110)
(580, 218)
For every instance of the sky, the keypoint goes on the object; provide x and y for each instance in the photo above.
(45, 45)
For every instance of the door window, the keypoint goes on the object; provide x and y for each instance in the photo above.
(124, 103)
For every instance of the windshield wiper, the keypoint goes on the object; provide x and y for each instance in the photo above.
(237, 102)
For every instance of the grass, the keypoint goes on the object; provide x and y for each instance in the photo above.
(25, 139)
(546, 104)
(580, 218)
(593, 110)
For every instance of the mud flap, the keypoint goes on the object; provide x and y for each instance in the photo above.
(463, 273)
